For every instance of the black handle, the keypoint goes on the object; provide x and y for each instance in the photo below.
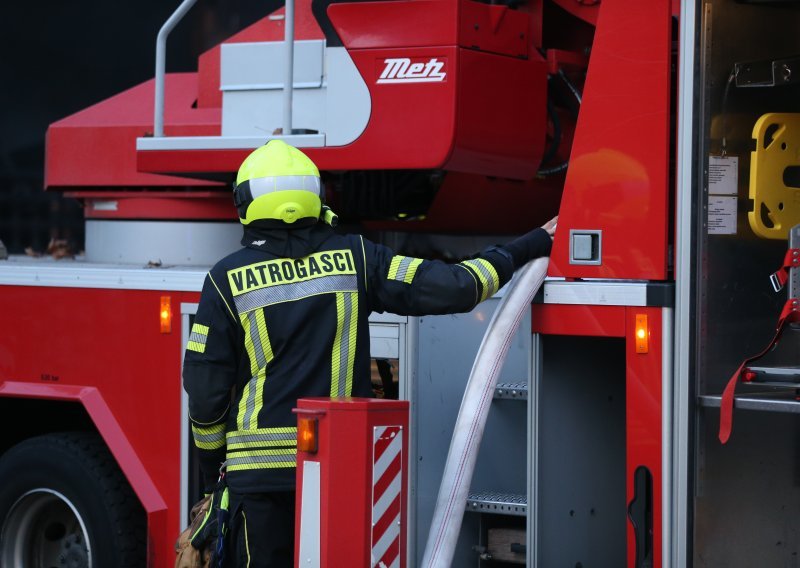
(640, 512)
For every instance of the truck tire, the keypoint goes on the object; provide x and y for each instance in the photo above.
(65, 503)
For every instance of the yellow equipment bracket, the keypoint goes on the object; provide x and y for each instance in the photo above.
(776, 206)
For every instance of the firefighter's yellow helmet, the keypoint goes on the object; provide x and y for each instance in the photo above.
(277, 182)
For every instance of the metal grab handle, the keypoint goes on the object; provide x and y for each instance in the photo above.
(161, 58)
(640, 513)
(288, 85)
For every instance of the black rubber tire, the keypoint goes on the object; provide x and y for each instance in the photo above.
(78, 466)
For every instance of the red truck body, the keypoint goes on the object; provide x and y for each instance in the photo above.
(509, 115)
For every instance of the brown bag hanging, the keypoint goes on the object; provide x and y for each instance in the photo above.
(189, 556)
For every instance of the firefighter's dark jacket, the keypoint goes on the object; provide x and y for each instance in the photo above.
(286, 317)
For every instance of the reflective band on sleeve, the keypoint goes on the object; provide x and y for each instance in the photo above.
(261, 459)
(344, 344)
(209, 438)
(259, 350)
(490, 281)
(403, 268)
(265, 185)
(261, 437)
(198, 338)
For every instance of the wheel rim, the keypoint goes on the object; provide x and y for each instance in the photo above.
(43, 529)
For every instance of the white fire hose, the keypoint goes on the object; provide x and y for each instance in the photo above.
(471, 420)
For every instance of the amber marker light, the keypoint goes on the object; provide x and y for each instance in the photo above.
(307, 435)
(165, 314)
(642, 334)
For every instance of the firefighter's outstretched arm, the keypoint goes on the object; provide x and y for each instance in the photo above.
(413, 286)
(209, 374)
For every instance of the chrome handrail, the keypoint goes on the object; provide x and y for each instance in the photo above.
(161, 58)
(288, 85)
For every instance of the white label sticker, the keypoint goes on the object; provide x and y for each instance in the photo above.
(722, 215)
(723, 175)
(98, 205)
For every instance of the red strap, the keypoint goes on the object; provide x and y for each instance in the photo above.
(779, 277)
(790, 312)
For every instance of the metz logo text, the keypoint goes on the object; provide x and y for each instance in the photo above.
(402, 70)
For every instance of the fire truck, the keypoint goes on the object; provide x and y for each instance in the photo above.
(665, 135)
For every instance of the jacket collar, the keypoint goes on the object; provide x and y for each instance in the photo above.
(287, 243)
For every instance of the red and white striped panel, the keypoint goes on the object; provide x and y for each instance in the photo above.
(387, 475)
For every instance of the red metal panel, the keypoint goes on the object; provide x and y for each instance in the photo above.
(482, 205)
(494, 28)
(593, 321)
(408, 112)
(163, 205)
(186, 161)
(97, 146)
(644, 407)
(498, 132)
(404, 24)
(117, 441)
(617, 180)
(643, 391)
(457, 117)
(586, 10)
(105, 340)
(345, 454)
(403, 115)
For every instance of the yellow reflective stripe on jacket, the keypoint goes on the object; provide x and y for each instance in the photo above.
(487, 275)
(261, 459)
(263, 297)
(209, 437)
(290, 270)
(259, 350)
(261, 437)
(403, 268)
(198, 338)
(344, 344)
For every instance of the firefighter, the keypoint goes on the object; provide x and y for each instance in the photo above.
(285, 317)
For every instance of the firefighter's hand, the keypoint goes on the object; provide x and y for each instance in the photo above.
(211, 519)
(550, 226)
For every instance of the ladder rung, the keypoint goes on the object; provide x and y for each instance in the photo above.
(498, 503)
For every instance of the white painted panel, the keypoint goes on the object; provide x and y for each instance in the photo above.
(260, 65)
(310, 516)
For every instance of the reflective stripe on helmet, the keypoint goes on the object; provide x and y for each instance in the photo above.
(264, 185)
(245, 192)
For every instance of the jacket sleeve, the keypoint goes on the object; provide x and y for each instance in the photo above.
(414, 286)
(209, 375)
